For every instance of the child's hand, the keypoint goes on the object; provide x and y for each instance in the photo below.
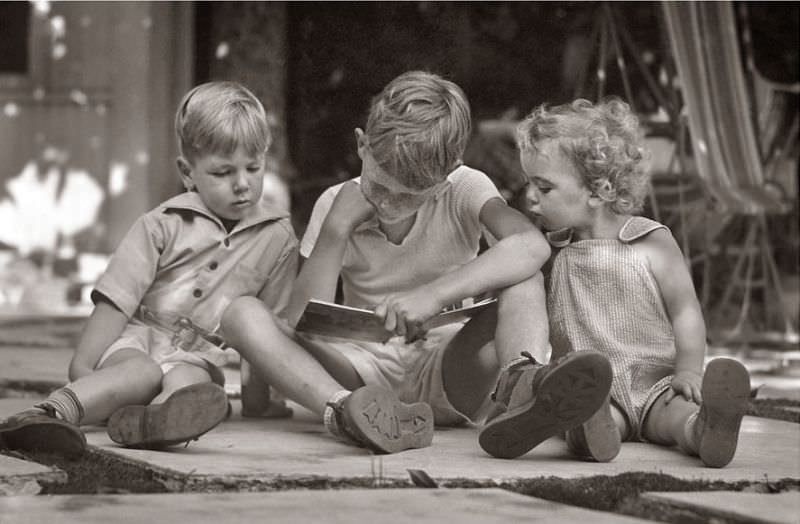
(687, 384)
(349, 209)
(405, 313)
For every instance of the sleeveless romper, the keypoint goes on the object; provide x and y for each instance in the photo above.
(602, 296)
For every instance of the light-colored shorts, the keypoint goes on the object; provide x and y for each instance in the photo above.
(157, 344)
(412, 371)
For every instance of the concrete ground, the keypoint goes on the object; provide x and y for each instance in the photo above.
(421, 506)
(246, 454)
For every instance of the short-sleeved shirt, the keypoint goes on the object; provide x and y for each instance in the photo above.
(445, 235)
(179, 260)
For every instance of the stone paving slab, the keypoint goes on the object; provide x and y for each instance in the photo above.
(266, 450)
(18, 468)
(35, 364)
(781, 508)
(387, 506)
(300, 447)
(21, 476)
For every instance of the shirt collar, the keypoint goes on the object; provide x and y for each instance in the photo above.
(190, 200)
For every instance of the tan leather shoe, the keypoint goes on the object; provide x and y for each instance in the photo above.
(38, 429)
(534, 402)
(374, 417)
(186, 415)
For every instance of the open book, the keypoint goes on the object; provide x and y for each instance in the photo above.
(335, 320)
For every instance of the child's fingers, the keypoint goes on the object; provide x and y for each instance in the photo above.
(381, 310)
(669, 395)
(390, 320)
(401, 328)
(697, 393)
(687, 392)
(414, 332)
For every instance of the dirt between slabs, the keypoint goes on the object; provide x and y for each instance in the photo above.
(100, 472)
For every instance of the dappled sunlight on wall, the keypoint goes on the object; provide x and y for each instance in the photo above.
(44, 207)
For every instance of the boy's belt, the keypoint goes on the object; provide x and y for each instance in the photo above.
(186, 335)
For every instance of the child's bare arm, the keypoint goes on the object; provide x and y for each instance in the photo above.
(320, 272)
(519, 254)
(103, 327)
(675, 282)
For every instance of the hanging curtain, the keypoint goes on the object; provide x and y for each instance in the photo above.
(706, 49)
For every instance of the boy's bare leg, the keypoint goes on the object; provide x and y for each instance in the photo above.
(535, 400)
(179, 377)
(249, 327)
(518, 323)
(127, 377)
(522, 323)
(322, 381)
(189, 405)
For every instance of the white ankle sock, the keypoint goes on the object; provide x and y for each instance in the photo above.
(689, 433)
(66, 405)
(329, 415)
(512, 362)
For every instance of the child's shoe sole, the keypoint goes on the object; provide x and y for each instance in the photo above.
(384, 424)
(726, 394)
(34, 431)
(571, 392)
(188, 413)
(598, 438)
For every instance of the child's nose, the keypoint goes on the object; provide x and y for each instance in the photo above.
(532, 193)
(240, 183)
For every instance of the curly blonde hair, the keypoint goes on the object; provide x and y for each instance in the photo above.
(418, 127)
(605, 143)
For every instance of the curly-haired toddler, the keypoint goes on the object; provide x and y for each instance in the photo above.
(620, 286)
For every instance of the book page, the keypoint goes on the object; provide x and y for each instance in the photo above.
(335, 320)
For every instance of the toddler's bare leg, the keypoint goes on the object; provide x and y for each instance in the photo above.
(600, 437)
(666, 423)
(711, 430)
(309, 380)
(127, 377)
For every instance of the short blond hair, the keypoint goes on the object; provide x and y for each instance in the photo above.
(604, 142)
(218, 118)
(418, 127)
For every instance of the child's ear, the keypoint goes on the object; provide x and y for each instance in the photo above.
(361, 142)
(185, 170)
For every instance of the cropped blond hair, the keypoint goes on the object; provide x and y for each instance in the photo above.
(604, 142)
(218, 118)
(418, 127)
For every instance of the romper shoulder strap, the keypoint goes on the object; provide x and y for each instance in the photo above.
(638, 227)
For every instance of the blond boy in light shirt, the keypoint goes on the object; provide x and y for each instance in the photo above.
(404, 239)
(149, 358)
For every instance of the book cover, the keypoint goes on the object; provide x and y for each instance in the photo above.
(336, 320)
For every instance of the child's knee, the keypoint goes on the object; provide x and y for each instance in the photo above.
(243, 311)
(148, 372)
(245, 318)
